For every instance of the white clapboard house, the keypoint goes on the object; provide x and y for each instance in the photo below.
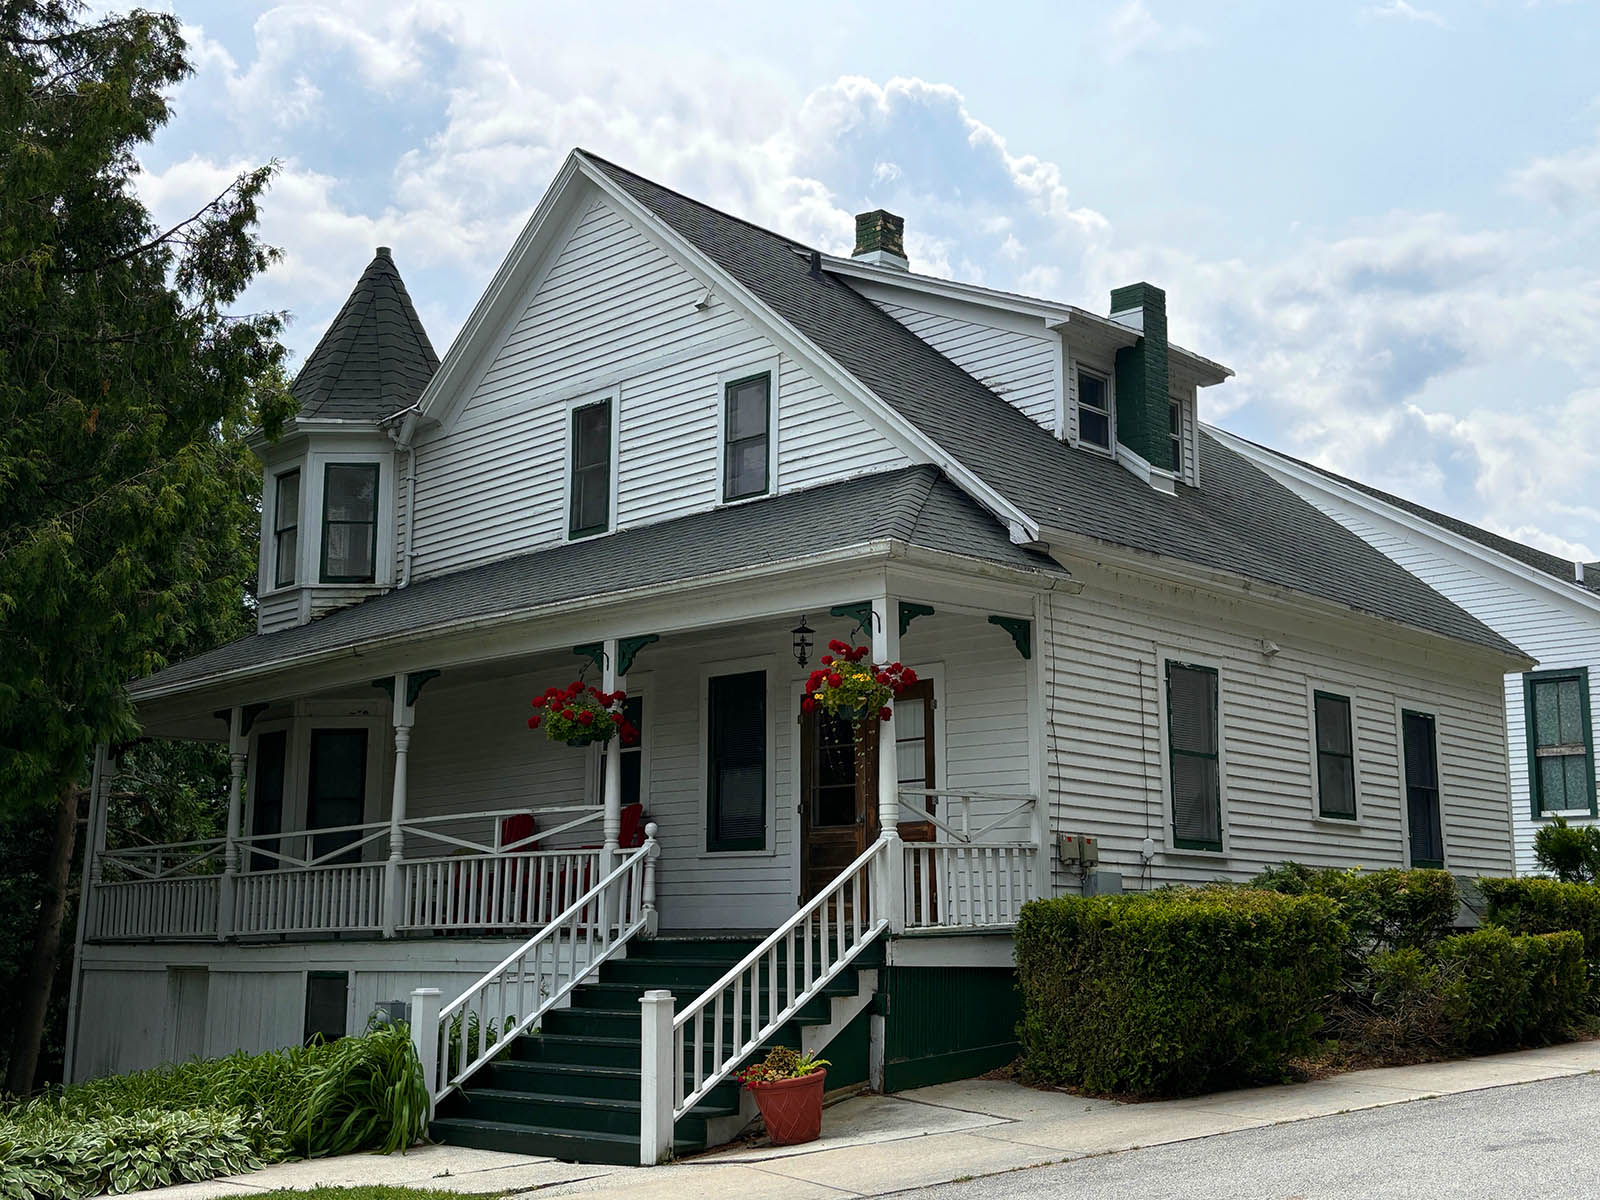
(664, 441)
(1547, 605)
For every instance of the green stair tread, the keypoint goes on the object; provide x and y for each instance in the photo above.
(703, 1109)
(588, 1146)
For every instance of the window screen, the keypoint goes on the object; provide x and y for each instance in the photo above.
(736, 752)
(1094, 410)
(286, 528)
(350, 523)
(1422, 790)
(1195, 767)
(1560, 741)
(1336, 762)
(590, 510)
(747, 434)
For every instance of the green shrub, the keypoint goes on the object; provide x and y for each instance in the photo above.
(1173, 992)
(1548, 906)
(1395, 1009)
(199, 1119)
(1569, 852)
(1508, 990)
(1384, 910)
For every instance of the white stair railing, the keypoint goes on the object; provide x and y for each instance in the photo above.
(539, 975)
(685, 1055)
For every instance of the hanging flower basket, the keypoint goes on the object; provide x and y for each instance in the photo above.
(788, 1089)
(582, 716)
(848, 686)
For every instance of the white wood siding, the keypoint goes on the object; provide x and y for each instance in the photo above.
(1105, 760)
(1557, 631)
(615, 314)
(280, 610)
(1017, 366)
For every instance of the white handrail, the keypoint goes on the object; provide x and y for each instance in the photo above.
(485, 1016)
(850, 912)
(966, 833)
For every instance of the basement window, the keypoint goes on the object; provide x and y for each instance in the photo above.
(1094, 410)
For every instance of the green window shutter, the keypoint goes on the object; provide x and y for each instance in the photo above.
(589, 492)
(1194, 766)
(736, 760)
(1336, 759)
(1560, 736)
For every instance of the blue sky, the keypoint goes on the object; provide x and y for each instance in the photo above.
(1383, 214)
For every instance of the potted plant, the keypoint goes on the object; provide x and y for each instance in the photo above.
(582, 716)
(787, 1085)
(847, 685)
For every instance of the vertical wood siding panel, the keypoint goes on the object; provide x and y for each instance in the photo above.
(1016, 366)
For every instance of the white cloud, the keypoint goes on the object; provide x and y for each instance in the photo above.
(1131, 28)
(1568, 182)
(1401, 10)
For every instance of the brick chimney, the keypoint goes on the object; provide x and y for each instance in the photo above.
(880, 239)
(1142, 422)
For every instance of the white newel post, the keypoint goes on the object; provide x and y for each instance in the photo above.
(425, 1036)
(652, 851)
(886, 649)
(238, 746)
(613, 772)
(655, 1078)
(393, 901)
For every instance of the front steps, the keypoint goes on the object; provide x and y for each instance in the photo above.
(572, 1091)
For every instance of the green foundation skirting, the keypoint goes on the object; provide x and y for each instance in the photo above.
(946, 1023)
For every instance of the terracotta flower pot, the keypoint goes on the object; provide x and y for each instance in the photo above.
(792, 1108)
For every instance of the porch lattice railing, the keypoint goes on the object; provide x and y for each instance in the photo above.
(540, 974)
(981, 868)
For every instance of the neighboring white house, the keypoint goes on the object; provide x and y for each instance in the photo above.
(1549, 606)
(667, 448)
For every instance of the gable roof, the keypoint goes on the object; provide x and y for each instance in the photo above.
(914, 505)
(375, 358)
(1239, 521)
(1553, 565)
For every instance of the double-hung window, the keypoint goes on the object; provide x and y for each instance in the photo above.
(1336, 757)
(350, 523)
(589, 503)
(285, 528)
(1195, 762)
(1175, 434)
(1560, 741)
(1094, 410)
(736, 761)
(747, 437)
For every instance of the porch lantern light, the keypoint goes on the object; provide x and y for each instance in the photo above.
(802, 641)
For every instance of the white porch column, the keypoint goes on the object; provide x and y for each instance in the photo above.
(609, 682)
(238, 748)
(404, 716)
(886, 649)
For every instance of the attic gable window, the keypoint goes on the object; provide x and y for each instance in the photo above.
(350, 523)
(285, 528)
(747, 437)
(1094, 410)
(589, 487)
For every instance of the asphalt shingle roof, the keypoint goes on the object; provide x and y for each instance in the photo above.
(375, 358)
(916, 505)
(1238, 520)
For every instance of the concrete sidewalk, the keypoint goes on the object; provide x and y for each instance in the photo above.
(872, 1145)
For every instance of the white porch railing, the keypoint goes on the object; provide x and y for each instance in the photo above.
(979, 871)
(335, 880)
(685, 1055)
(540, 974)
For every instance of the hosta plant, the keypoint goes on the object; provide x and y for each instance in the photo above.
(849, 685)
(580, 715)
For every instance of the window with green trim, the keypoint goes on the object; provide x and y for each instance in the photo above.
(1560, 741)
(747, 437)
(736, 761)
(285, 528)
(589, 503)
(350, 523)
(1336, 757)
(1194, 762)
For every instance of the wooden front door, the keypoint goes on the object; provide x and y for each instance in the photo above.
(839, 798)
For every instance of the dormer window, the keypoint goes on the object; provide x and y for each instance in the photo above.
(1175, 433)
(1094, 411)
(285, 528)
(350, 523)
(747, 437)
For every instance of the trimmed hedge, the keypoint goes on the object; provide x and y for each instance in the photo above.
(1384, 910)
(1548, 906)
(1175, 992)
(1503, 990)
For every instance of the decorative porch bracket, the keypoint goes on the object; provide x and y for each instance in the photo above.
(909, 612)
(595, 652)
(1021, 631)
(414, 685)
(628, 649)
(249, 713)
(860, 612)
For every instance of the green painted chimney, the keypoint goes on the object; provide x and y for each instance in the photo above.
(1142, 374)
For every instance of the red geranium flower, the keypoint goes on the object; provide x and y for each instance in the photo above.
(567, 713)
(808, 704)
(885, 713)
(586, 717)
(835, 680)
(533, 721)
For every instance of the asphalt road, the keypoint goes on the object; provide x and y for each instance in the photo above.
(1530, 1140)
